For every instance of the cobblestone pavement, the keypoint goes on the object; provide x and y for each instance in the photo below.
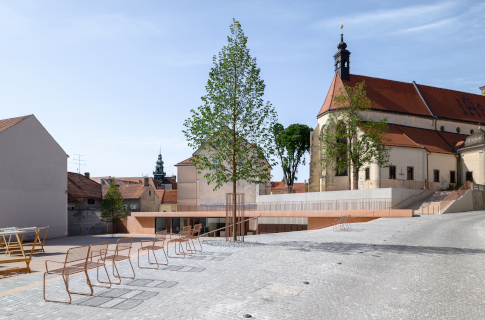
(428, 267)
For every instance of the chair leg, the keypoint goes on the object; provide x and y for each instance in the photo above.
(148, 260)
(87, 281)
(118, 275)
(99, 281)
(175, 250)
(66, 284)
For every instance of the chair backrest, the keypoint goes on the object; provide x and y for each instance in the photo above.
(77, 254)
(186, 231)
(124, 244)
(98, 250)
(160, 235)
(196, 230)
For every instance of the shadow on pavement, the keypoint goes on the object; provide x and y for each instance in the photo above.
(342, 247)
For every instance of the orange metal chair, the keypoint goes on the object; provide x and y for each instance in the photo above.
(97, 259)
(195, 236)
(157, 243)
(183, 238)
(75, 262)
(122, 252)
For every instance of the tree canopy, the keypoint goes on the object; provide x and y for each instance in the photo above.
(233, 125)
(291, 144)
(112, 208)
(351, 140)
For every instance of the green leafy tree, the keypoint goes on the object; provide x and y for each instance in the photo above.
(344, 146)
(291, 144)
(233, 125)
(112, 209)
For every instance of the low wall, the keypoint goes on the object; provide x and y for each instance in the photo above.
(397, 194)
(471, 200)
(318, 223)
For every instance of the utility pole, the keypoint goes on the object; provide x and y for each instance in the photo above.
(79, 162)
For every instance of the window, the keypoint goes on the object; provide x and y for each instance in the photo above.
(367, 173)
(338, 64)
(91, 201)
(214, 165)
(469, 176)
(150, 193)
(452, 177)
(458, 130)
(392, 172)
(410, 173)
(472, 131)
(442, 128)
(436, 176)
(342, 157)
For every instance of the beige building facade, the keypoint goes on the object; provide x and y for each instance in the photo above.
(33, 171)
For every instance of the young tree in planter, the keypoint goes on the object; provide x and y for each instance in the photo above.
(233, 125)
(291, 144)
(343, 145)
(112, 209)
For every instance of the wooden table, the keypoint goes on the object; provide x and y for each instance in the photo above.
(18, 245)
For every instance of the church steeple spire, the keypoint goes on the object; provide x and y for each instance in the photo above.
(159, 174)
(342, 58)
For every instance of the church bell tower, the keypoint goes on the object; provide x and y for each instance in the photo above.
(342, 58)
(159, 174)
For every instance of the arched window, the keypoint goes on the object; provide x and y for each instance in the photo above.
(345, 63)
(472, 131)
(338, 64)
(458, 130)
(442, 128)
(342, 157)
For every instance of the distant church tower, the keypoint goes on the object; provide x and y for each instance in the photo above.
(342, 61)
(159, 174)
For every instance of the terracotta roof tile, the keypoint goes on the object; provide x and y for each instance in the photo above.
(453, 139)
(128, 191)
(8, 123)
(160, 195)
(170, 197)
(186, 162)
(280, 185)
(455, 105)
(429, 139)
(79, 187)
(385, 95)
(397, 138)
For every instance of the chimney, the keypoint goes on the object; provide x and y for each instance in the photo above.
(146, 182)
(86, 174)
(483, 90)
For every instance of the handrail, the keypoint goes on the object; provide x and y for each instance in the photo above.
(395, 207)
(455, 195)
(229, 226)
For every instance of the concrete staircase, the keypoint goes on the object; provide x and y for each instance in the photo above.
(430, 204)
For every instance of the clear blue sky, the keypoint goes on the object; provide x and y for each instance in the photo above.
(114, 80)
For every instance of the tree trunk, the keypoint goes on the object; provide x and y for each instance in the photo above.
(355, 178)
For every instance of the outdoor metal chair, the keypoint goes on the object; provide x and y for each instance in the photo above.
(75, 262)
(97, 259)
(195, 236)
(157, 243)
(183, 238)
(122, 252)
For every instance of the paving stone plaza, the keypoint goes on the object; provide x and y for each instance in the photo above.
(428, 267)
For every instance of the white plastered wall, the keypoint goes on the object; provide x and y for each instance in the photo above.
(402, 158)
(444, 163)
(473, 160)
(33, 184)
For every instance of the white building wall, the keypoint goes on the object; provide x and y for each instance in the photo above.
(402, 158)
(33, 184)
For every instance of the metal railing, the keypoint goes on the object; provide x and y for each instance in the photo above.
(344, 204)
(455, 195)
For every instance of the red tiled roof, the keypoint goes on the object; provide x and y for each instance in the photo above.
(167, 196)
(79, 187)
(455, 105)
(429, 139)
(128, 191)
(402, 97)
(8, 123)
(453, 139)
(187, 162)
(384, 95)
(395, 137)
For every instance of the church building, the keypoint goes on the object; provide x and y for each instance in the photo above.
(434, 134)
